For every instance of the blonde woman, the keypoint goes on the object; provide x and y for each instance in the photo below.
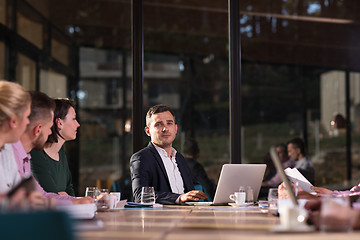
(14, 112)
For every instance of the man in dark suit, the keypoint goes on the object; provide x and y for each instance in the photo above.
(159, 165)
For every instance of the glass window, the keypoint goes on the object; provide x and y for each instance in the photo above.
(186, 67)
(29, 25)
(60, 47)
(3, 12)
(355, 123)
(53, 84)
(103, 33)
(2, 60)
(293, 81)
(26, 72)
(104, 102)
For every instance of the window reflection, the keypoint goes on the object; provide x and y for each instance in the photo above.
(26, 72)
(2, 60)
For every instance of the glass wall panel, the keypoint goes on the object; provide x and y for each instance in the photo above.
(355, 125)
(3, 12)
(60, 47)
(29, 25)
(26, 72)
(294, 58)
(2, 60)
(104, 102)
(53, 84)
(186, 67)
(102, 30)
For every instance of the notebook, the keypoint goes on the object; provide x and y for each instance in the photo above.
(232, 176)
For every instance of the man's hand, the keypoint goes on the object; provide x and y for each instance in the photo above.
(321, 190)
(301, 194)
(193, 195)
(83, 200)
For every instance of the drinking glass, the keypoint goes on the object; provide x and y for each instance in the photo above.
(249, 195)
(147, 195)
(91, 192)
(103, 199)
(272, 200)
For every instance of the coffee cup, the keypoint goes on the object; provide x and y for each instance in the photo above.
(112, 201)
(117, 195)
(238, 197)
(289, 218)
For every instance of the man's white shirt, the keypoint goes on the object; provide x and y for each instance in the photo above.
(172, 170)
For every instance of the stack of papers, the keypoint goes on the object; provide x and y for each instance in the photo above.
(79, 211)
(296, 177)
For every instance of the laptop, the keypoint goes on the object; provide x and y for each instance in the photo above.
(232, 176)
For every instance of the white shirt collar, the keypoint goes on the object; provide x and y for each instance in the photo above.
(162, 151)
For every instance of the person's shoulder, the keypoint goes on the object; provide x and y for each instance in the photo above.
(179, 156)
(35, 154)
(144, 152)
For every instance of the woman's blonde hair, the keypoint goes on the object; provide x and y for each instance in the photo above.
(13, 100)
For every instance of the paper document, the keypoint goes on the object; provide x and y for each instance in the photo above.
(296, 177)
(79, 211)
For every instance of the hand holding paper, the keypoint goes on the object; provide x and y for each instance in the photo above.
(295, 176)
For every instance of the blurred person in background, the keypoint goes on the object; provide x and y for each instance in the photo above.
(281, 150)
(191, 153)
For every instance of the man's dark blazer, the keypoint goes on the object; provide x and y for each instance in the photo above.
(147, 169)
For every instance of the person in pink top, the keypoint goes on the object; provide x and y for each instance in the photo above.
(34, 137)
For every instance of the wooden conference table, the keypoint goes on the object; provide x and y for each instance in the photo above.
(196, 222)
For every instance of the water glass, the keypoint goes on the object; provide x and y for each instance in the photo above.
(91, 192)
(272, 200)
(103, 200)
(249, 195)
(147, 195)
(335, 214)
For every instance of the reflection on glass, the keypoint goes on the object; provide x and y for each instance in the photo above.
(26, 72)
(3, 11)
(54, 84)
(2, 60)
(60, 47)
(101, 93)
(189, 73)
(292, 85)
(29, 25)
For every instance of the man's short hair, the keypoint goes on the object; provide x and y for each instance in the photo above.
(191, 148)
(298, 143)
(41, 107)
(158, 109)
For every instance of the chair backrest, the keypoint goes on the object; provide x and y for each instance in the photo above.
(36, 225)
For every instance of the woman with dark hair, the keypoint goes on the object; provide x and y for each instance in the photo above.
(50, 166)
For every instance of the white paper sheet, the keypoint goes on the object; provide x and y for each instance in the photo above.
(296, 177)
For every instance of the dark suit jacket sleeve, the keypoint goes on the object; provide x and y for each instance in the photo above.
(145, 171)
